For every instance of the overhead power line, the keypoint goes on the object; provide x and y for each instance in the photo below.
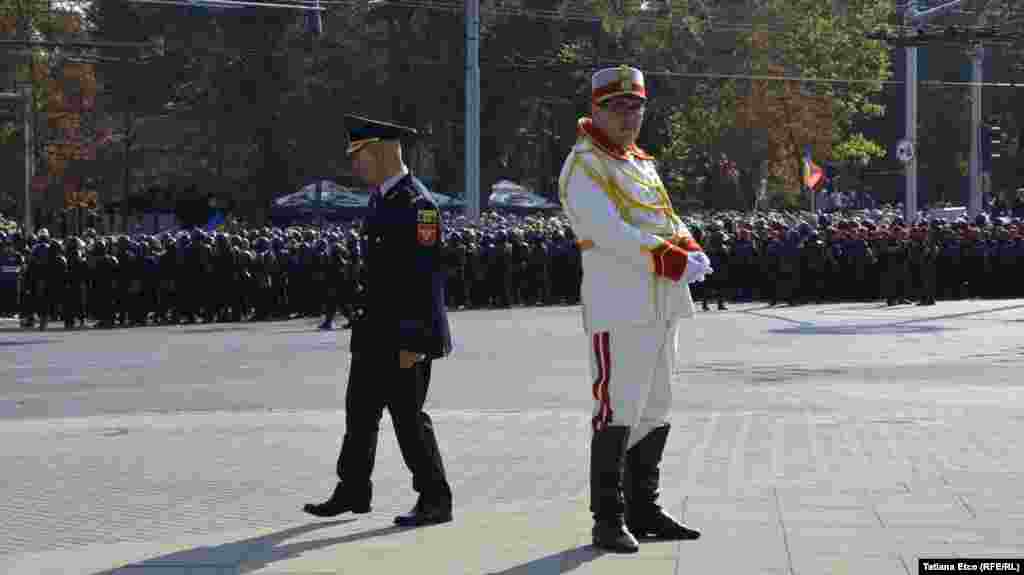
(234, 4)
(573, 15)
(758, 77)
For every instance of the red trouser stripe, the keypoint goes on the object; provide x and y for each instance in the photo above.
(604, 367)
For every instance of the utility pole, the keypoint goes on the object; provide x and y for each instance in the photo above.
(916, 18)
(910, 134)
(472, 123)
(23, 99)
(30, 159)
(26, 31)
(974, 204)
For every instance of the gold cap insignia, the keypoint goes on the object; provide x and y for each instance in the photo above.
(625, 78)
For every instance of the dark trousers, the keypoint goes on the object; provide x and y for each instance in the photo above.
(376, 381)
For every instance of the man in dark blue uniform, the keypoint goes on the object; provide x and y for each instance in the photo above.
(400, 326)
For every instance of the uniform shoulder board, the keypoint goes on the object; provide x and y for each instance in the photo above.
(427, 215)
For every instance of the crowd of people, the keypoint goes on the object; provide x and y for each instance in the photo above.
(504, 260)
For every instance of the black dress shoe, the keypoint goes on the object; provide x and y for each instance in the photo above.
(340, 502)
(613, 536)
(661, 526)
(426, 514)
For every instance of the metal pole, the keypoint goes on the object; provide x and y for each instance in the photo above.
(472, 128)
(910, 201)
(29, 157)
(319, 202)
(974, 201)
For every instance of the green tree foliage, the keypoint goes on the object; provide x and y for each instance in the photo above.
(857, 148)
(815, 39)
(695, 128)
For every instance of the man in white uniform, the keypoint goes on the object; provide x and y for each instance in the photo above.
(638, 259)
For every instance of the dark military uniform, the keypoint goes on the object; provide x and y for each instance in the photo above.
(717, 286)
(402, 309)
(75, 285)
(894, 275)
(104, 268)
(948, 268)
(11, 263)
(923, 254)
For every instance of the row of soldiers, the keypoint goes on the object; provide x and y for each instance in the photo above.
(264, 274)
(862, 261)
(260, 275)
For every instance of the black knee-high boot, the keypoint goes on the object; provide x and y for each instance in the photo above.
(607, 452)
(644, 517)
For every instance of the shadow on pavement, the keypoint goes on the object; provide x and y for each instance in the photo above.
(215, 329)
(311, 329)
(908, 326)
(17, 342)
(887, 328)
(247, 555)
(561, 562)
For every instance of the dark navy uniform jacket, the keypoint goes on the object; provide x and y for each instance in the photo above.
(403, 306)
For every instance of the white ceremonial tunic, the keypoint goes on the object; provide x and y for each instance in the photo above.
(619, 288)
(619, 210)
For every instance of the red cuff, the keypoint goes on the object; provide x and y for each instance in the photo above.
(669, 261)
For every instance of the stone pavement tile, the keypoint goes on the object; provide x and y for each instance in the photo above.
(837, 510)
(1007, 550)
(911, 510)
(825, 538)
(732, 509)
(735, 546)
(849, 564)
(968, 533)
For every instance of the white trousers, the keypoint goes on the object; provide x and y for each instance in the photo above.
(631, 368)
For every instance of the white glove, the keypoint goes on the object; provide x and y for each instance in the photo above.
(697, 266)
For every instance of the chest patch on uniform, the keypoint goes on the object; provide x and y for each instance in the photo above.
(426, 216)
(426, 234)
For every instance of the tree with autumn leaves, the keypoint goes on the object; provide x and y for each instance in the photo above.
(815, 39)
(827, 42)
(64, 92)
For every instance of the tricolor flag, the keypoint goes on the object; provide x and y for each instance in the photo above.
(813, 173)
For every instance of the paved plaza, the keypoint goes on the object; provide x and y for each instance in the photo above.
(837, 439)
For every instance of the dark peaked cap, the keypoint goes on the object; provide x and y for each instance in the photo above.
(362, 131)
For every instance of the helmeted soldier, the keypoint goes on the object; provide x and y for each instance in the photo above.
(948, 265)
(922, 254)
(539, 269)
(335, 267)
(104, 268)
(815, 258)
(893, 258)
(41, 272)
(12, 263)
(744, 264)
(716, 286)
(75, 286)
